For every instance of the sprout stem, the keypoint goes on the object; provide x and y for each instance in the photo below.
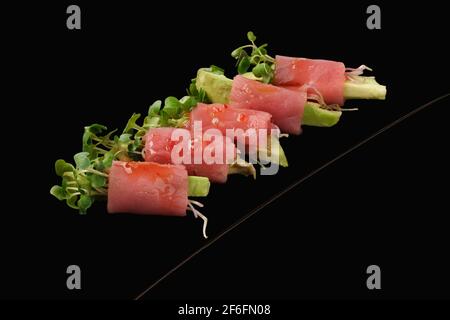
(90, 170)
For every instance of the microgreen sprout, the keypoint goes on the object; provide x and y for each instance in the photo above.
(83, 183)
(263, 64)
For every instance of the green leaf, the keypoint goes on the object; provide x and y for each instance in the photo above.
(154, 109)
(97, 181)
(82, 160)
(58, 192)
(244, 64)
(108, 159)
(98, 164)
(262, 49)
(267, 78)
(259, 70)
(236, 53)
(192, 90)
(172, 107)
(152, 122)
(171, 102)
(90, 149)
(268, 75)
(72, 201)
(96, 128)
(69, 174)
(198, 94)
(89, 135)
(242, 55)
(87, 140)
(125, 138)
(217, 70)
(131, 124)
(255, 59)
(251, 36)
(163, 119)
(202, 96)
(188, 104)
(136, 145)
(84, 203)
(83, 182)
(178, 123)
(62, 167)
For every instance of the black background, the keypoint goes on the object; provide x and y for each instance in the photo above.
(383, 204)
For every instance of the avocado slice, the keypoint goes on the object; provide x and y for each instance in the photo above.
(216, 86)
(364, 88)
(198, 186)
(274, 152)
(314, 115)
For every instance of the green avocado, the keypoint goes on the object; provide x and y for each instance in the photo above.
(316, 116)
(198, 186)
(364, 88)
(216, 86)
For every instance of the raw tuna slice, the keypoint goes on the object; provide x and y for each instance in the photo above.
(159, 145)
(326, 76)
(147, 188)
(222, 117)
(285, 106)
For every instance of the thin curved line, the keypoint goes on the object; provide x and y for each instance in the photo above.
(289, 188)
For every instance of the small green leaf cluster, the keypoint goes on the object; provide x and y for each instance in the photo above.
(83, 183)
(87, 180)
(263, 64)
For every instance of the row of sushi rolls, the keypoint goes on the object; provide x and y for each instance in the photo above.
(164, 162)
